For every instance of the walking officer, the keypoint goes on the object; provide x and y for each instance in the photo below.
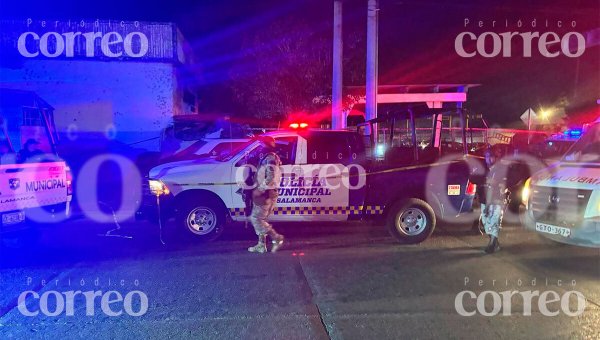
(264, 196)
(492, 192)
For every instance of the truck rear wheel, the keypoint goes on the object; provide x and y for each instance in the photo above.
(200, 219)
(411, 221)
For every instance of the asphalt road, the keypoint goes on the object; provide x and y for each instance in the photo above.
(340, 281)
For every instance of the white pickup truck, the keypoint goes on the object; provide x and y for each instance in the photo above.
(328, 175)
(35, 185)
(33, 192)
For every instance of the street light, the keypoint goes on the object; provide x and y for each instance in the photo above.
(545, 113)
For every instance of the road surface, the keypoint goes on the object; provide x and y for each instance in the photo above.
(339, 281)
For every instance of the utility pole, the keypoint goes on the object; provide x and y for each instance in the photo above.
(371, 72)
(338, 121)
(529, 126)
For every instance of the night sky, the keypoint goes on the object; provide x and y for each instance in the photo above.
(416, 44)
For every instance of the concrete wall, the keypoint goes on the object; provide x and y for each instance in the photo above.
(130, 101)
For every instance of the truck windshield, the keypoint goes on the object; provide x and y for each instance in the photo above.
(586, 149)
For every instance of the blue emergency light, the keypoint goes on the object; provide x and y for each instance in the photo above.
(574, 133)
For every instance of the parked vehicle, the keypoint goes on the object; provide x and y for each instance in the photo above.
(327, 176)
(35, 185)
(554, 147)
(203, 148)
(563, 200)
(187, 130)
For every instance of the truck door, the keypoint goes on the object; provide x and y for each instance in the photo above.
(289, 150)
(292, 152)
(314, 189)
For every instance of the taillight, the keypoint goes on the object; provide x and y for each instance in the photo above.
(69, 181)
(471, 189)
(296, 126)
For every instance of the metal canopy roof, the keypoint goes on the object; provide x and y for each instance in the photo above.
(416, 88)
(418, 111)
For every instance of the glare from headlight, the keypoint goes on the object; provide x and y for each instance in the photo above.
(158, 188)
(380, 150)
(526, 192)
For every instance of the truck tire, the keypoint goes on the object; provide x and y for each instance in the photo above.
(200, 219)
(411, 221)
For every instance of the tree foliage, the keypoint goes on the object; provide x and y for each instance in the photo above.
(282, 68)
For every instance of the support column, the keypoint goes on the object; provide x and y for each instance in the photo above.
(463, 122)
(338, 119)
(371, 72)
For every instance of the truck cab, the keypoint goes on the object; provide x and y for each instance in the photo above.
(420, 171)
(563, 200)
(327, 175)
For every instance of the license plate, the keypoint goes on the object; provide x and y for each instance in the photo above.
(552, 229)
(13, 218)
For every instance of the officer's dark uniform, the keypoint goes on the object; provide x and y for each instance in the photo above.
(491, 190)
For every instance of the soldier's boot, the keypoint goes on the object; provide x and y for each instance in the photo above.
(493, 246)
(260, 247)
(276, 241)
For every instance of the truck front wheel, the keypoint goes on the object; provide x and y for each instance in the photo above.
(411, 221)
(200, 219)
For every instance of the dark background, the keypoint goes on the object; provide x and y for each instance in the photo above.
(238, 45)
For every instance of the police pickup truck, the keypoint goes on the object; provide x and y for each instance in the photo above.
(35, 186)
(406, 179)
(37, 192)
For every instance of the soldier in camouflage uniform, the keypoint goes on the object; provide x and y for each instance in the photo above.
(264, 197)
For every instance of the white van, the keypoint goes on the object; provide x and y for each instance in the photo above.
(563, 200)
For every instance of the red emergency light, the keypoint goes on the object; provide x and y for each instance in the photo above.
(298, 125)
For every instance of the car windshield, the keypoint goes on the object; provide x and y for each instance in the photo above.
(587, 149)
(227, 155)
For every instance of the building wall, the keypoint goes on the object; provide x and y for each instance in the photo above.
(130, 101)
(126, 89)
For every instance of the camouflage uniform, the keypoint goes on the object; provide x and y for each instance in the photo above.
(491, 218)
(264, 198)
(491, 190)
(492, 207)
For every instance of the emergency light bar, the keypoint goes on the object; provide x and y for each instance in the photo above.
(574, 133)
(298, 125)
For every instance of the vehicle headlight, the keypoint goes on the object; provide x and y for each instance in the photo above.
(158, 188)
(380, 150)
(526, 192)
